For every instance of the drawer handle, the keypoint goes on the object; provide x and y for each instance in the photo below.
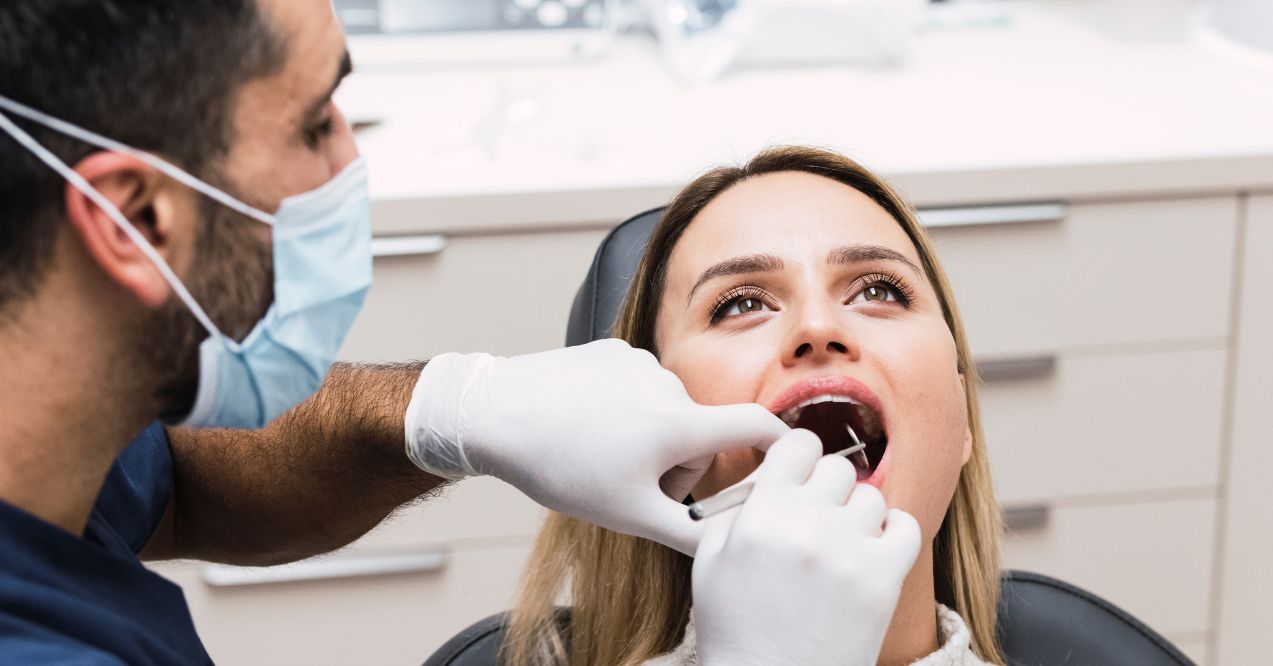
(1025, 517)
(1017, 369)
(990, 215)
(327, 568)
(407, 246)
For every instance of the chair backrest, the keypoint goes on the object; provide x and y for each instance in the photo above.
(1042, 622)
(599, 298)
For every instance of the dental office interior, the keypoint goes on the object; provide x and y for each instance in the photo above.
(1097, 179)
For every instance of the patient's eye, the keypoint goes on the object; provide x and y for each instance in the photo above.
(879, 293)
(882, 288)
(737, 302)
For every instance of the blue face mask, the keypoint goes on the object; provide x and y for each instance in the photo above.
(322, 271)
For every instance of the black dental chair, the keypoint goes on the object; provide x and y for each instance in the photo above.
(1042, 621)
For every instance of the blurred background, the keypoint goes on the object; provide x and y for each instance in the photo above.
(1098, 176)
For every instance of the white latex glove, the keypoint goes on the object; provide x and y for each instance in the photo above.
(795, 575)
(588, 431)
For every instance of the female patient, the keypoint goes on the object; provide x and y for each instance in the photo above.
(802, 282)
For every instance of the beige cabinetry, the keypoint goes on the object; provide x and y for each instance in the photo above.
(1104, 339)
(369, 619)
(501, 294)
(1245, 589)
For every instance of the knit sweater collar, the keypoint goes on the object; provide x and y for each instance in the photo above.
(955, 650)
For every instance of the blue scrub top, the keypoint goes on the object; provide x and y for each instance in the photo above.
(89, 600)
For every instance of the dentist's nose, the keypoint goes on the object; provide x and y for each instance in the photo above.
(819, 336)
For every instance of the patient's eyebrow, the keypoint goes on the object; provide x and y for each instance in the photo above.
(754, 263)
(857, 254)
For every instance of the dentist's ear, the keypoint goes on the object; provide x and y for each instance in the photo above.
(163, 212)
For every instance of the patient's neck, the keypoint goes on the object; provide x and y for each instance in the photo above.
(913, 633)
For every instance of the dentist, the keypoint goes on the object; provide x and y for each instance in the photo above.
(184, 242)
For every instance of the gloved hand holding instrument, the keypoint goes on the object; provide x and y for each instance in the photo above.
(807, 571)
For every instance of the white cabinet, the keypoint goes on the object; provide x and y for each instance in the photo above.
(1153, 559)
(504, 294)
(1108, 425)
(1105, 339)
(1246, 578)
(1109, 274)
(386, 619)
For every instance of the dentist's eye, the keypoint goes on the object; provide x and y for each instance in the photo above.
(317, 133)
(738, 302)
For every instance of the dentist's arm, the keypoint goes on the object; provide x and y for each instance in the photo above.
(589, 431)
(312, 481)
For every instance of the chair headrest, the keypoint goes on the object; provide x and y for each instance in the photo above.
(606, 285)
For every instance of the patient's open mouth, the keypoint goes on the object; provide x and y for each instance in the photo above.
(827, 415)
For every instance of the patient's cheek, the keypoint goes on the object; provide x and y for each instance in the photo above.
(727, 468)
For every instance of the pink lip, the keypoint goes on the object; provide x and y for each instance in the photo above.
(877, 477)
(837, 385)
(829, 385)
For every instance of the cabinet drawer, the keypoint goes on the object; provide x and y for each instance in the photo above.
(1107, 274)
(391, 619)
(475, 509)
(504, 295)
(1153, 560)
(1107, 424)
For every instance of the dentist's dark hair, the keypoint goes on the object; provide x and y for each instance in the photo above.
(159, 75)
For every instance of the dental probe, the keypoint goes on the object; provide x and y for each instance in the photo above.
(732, 497)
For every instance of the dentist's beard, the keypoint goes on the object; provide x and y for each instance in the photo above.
(233, 280)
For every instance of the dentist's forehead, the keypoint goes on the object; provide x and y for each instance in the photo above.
(797, 216)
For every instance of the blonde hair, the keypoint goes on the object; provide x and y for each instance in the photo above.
(629, 598)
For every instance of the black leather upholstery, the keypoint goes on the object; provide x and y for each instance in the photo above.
(1042, 622)
(599, 299)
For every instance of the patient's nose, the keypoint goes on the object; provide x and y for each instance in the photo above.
(817, 338)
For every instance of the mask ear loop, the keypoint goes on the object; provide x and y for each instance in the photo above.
(111, 211)
(163, 166)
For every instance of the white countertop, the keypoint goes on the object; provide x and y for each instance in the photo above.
(1066, 99)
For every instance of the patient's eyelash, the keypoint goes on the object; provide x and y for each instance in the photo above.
(729, 298)
(905, 293)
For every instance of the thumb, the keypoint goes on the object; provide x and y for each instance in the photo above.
(716, 531)
(724, 427)
(901, 537)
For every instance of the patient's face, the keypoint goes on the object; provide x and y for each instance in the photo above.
(792, 287)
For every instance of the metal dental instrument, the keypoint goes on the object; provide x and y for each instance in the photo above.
(732, 497)
(857, 452)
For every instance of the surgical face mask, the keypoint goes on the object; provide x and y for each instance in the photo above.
(322, 271)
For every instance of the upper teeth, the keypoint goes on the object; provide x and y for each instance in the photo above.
(792, 414)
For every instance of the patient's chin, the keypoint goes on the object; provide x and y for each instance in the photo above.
(727, 469)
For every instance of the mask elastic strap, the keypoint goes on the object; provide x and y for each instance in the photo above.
(107, 207)
(104, 143)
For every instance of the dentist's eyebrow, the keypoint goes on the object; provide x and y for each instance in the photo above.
(345, 68)
(858, 254)
(754, 263)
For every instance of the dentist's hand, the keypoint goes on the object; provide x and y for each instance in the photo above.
(807, 571)
(590, 431)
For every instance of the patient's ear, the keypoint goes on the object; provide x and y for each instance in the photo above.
(963, 384)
